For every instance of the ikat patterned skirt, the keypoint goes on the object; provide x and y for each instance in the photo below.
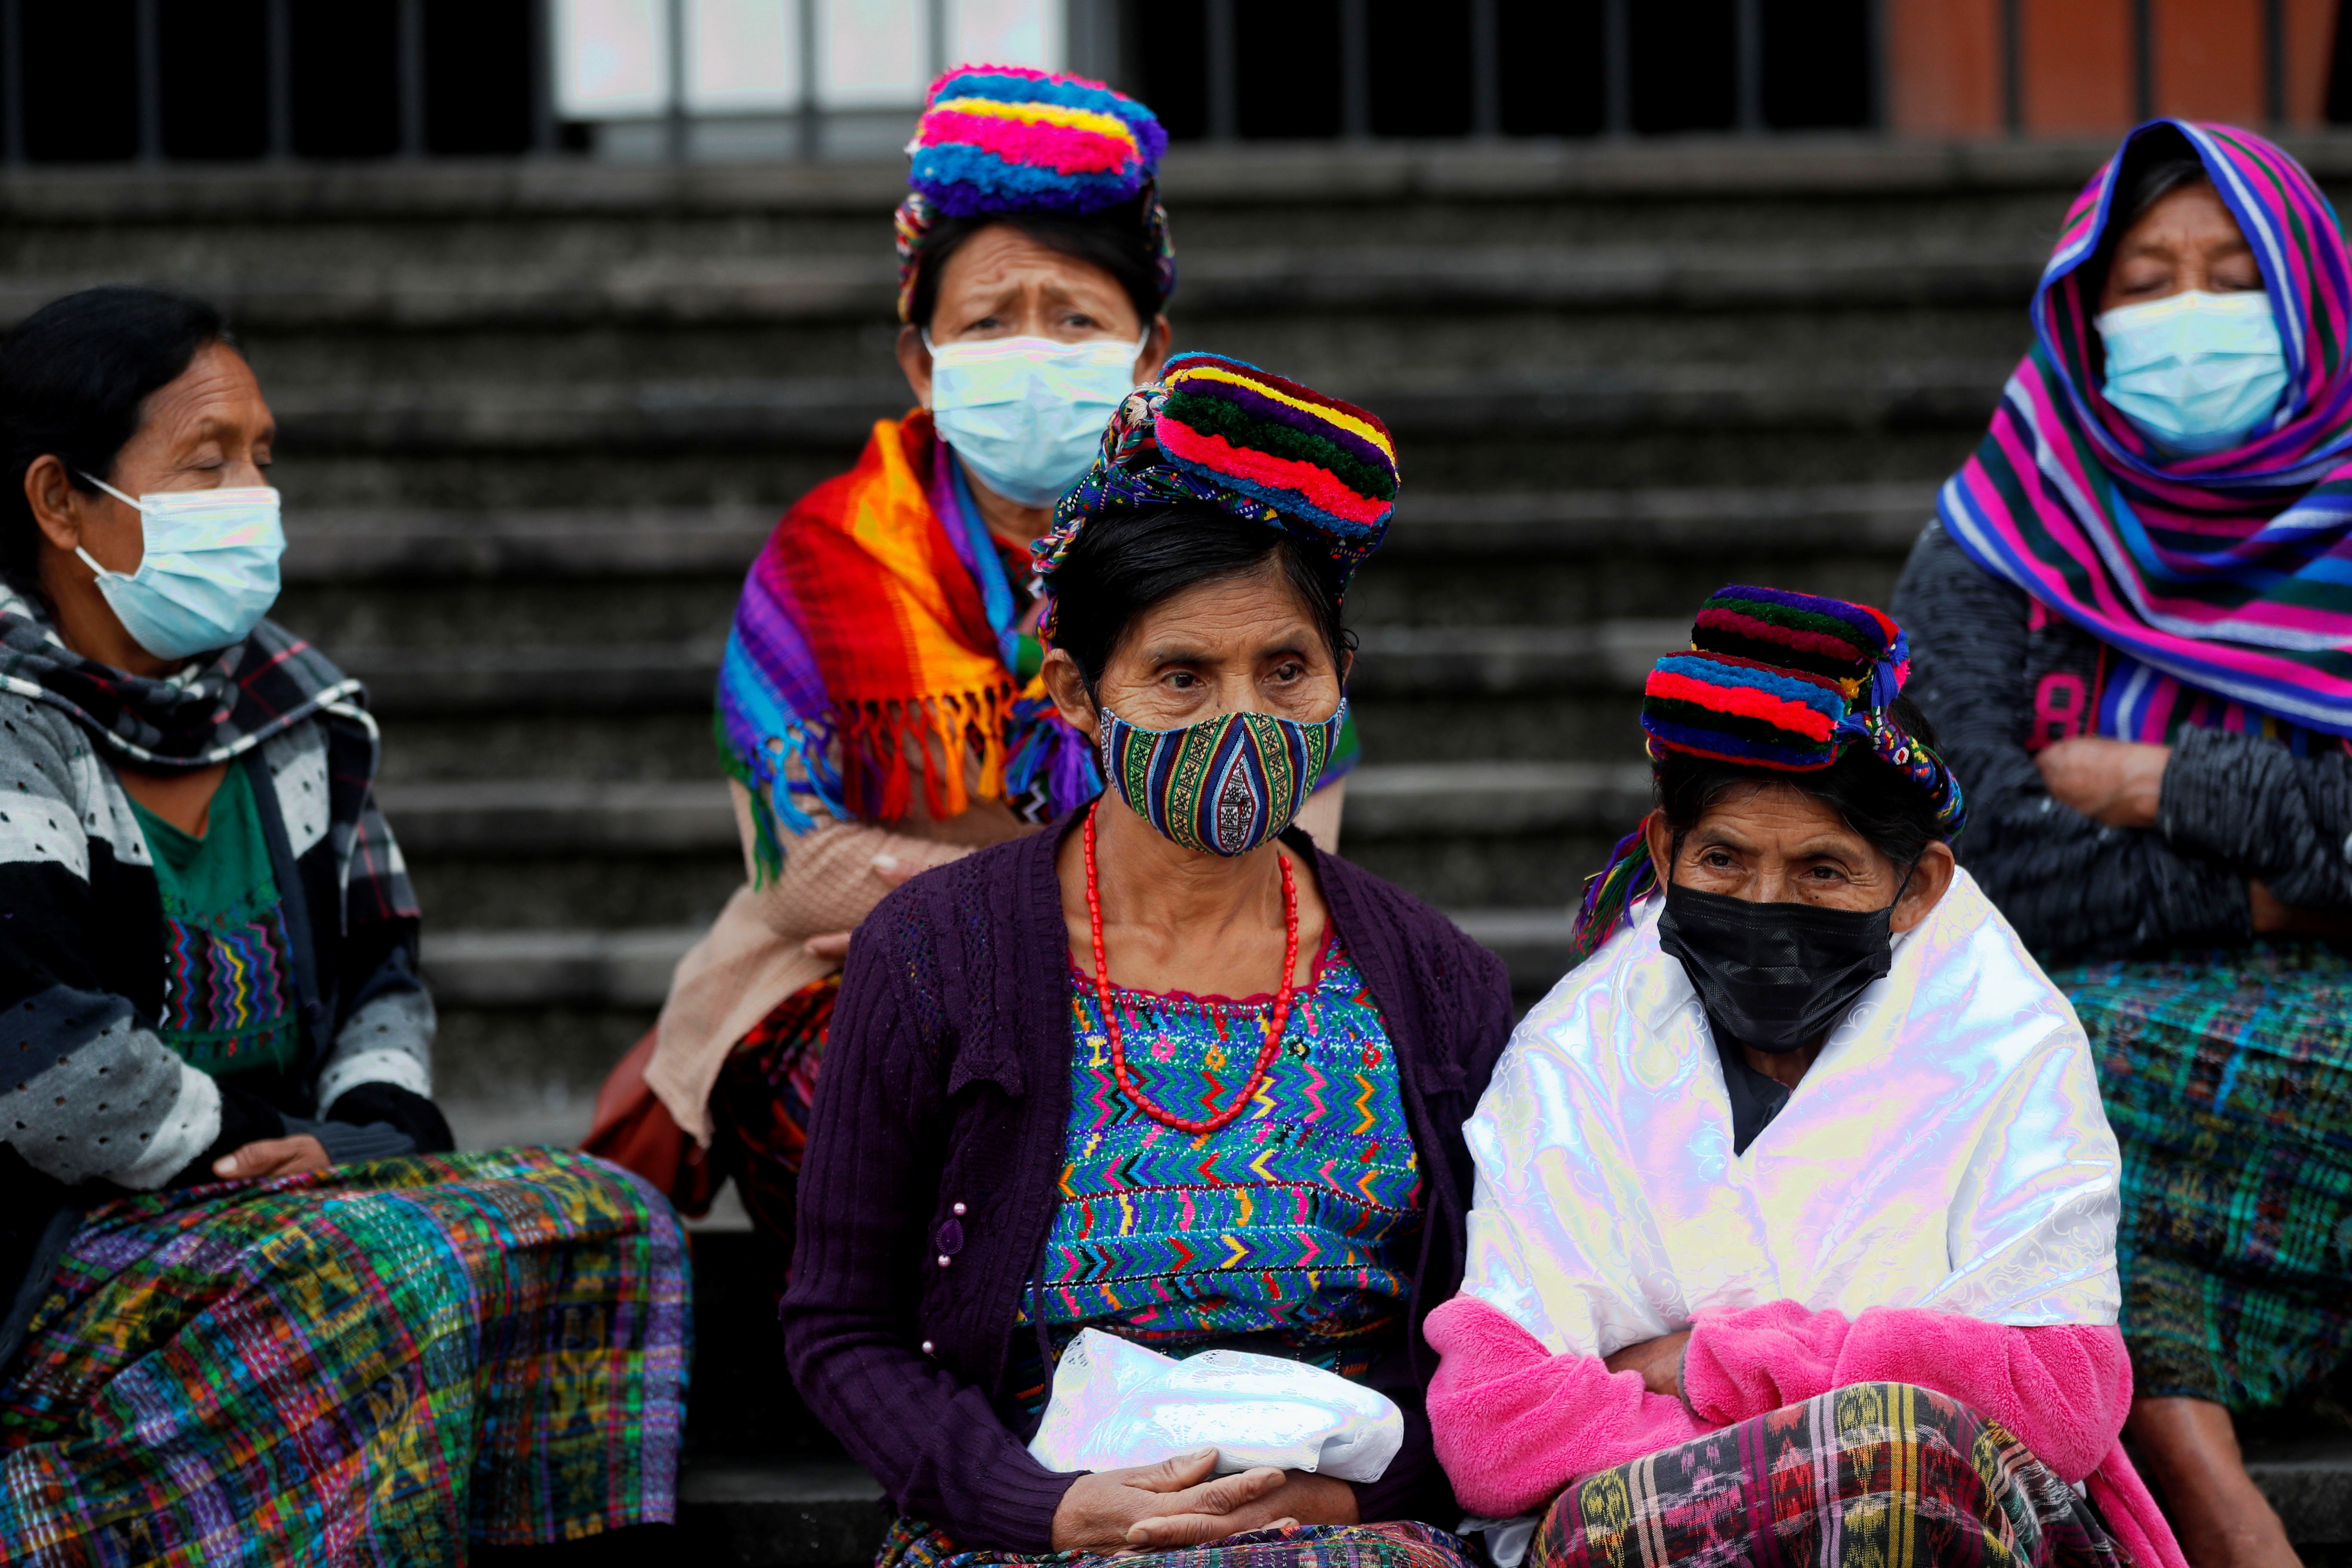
(377, 1364)
(1404, 1544)
(1878, 1474)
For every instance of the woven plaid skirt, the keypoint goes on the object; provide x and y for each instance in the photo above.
(1879, 1474)
(374, 1364)
(1400, 1545)
(2228, 1079)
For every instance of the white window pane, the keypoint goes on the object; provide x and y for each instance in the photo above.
(1007, 32)
(612, 58)
(742, 57)
(872, 52)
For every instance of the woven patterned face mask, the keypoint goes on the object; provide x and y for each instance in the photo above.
(1223, 785)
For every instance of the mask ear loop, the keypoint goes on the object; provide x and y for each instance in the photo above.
(87, 559)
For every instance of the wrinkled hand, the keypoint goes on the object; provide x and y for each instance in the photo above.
(273, 1157)
(2119, 783)
(835, 944)
(1179, 1501)
(1301, 1498)
(1659, 1360)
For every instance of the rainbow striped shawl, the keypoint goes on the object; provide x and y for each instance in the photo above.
(862, 643)
(2229, 574)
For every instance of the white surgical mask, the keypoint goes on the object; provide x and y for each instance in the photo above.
(2195, 372)
(1027, 414)
(208, 572)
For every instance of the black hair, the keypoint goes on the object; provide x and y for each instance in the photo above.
(74, 378)
(1123, 565)
(1891, 813)
(2155, 166)
(1116, 239)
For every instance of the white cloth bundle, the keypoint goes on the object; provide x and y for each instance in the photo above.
(1117, 1404)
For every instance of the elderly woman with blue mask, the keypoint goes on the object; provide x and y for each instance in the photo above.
(2131, 621)
(242, 1281)
(880, 706)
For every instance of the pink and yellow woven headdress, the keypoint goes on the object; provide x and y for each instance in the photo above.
(1008, 139)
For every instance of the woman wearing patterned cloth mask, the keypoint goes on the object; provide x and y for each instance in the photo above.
(240, 1271)
(2134, 634)
(1794, 1225)
(1166, 1071)
(879, 704)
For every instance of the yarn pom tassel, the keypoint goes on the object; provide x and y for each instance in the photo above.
(1607, 894)
(1048, 748)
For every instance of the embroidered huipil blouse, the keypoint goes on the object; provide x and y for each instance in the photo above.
(1286, 1230)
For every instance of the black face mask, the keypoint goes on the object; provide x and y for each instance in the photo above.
(1775, 975)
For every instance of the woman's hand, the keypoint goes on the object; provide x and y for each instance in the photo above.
(2119, 783)
(1182, 1501)
(273, 1157)
(1659, 1360)
(835, 944)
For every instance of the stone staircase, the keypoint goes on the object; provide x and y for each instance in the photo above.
(536, 418)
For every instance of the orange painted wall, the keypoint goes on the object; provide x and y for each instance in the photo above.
(1943, 66)
(2076, 64)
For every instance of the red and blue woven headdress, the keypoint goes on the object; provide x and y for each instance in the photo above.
(1781, 682)
(1009, 139)
(1220, 432)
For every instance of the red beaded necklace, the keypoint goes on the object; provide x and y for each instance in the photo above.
(1274, 1026)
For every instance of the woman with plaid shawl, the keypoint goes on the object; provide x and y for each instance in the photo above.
(252, 1308)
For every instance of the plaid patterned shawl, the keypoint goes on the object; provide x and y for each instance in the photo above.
(2229, 574)
(218, 709)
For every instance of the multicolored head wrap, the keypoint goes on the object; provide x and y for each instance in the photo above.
(1007, 139)
(1782, 682)
(2227, 573)
(1218, 432)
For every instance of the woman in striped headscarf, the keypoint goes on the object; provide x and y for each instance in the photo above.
(1794, 1238)
(2132, 618)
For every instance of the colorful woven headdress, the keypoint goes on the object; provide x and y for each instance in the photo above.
(1779, 682)
(1218, 432)
(1007, 139)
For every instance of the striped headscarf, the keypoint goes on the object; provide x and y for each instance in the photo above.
(2227, 573)
(1008, 139)
(1783, 682)
(1218, 432)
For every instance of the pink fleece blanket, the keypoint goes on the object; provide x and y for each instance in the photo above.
(1515, 1423)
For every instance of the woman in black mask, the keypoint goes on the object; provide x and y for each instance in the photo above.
(1794, 1227)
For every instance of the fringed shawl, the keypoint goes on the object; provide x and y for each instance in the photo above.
(867, 652)
(2227, 573)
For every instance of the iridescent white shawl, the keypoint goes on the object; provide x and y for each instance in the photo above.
(1948, 1150)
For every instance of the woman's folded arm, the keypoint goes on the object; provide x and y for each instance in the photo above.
(1513, 1423)
(2062, 1390)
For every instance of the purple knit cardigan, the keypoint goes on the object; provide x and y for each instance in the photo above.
(936, 1143)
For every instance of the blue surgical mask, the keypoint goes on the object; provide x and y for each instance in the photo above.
(1027, 414)
(208, 572)
(2195, 372)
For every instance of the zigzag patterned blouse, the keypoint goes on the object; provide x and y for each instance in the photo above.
(1290, 1226)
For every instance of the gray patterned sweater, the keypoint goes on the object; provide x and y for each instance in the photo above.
(92, 1101)
(2234, 807)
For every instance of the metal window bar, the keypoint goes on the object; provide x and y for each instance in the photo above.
(937, 59)
(2274, 61)
(674, 130)
(542, 76)
(1748, 42)
(2143, 61)
(147, 24)
(278, 47)
(1355, 69)
(1486, 69)
(2012, 71)
(12, 116)
(1225, 97)
(1617, 70)
(812, 124)
(409, 62)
